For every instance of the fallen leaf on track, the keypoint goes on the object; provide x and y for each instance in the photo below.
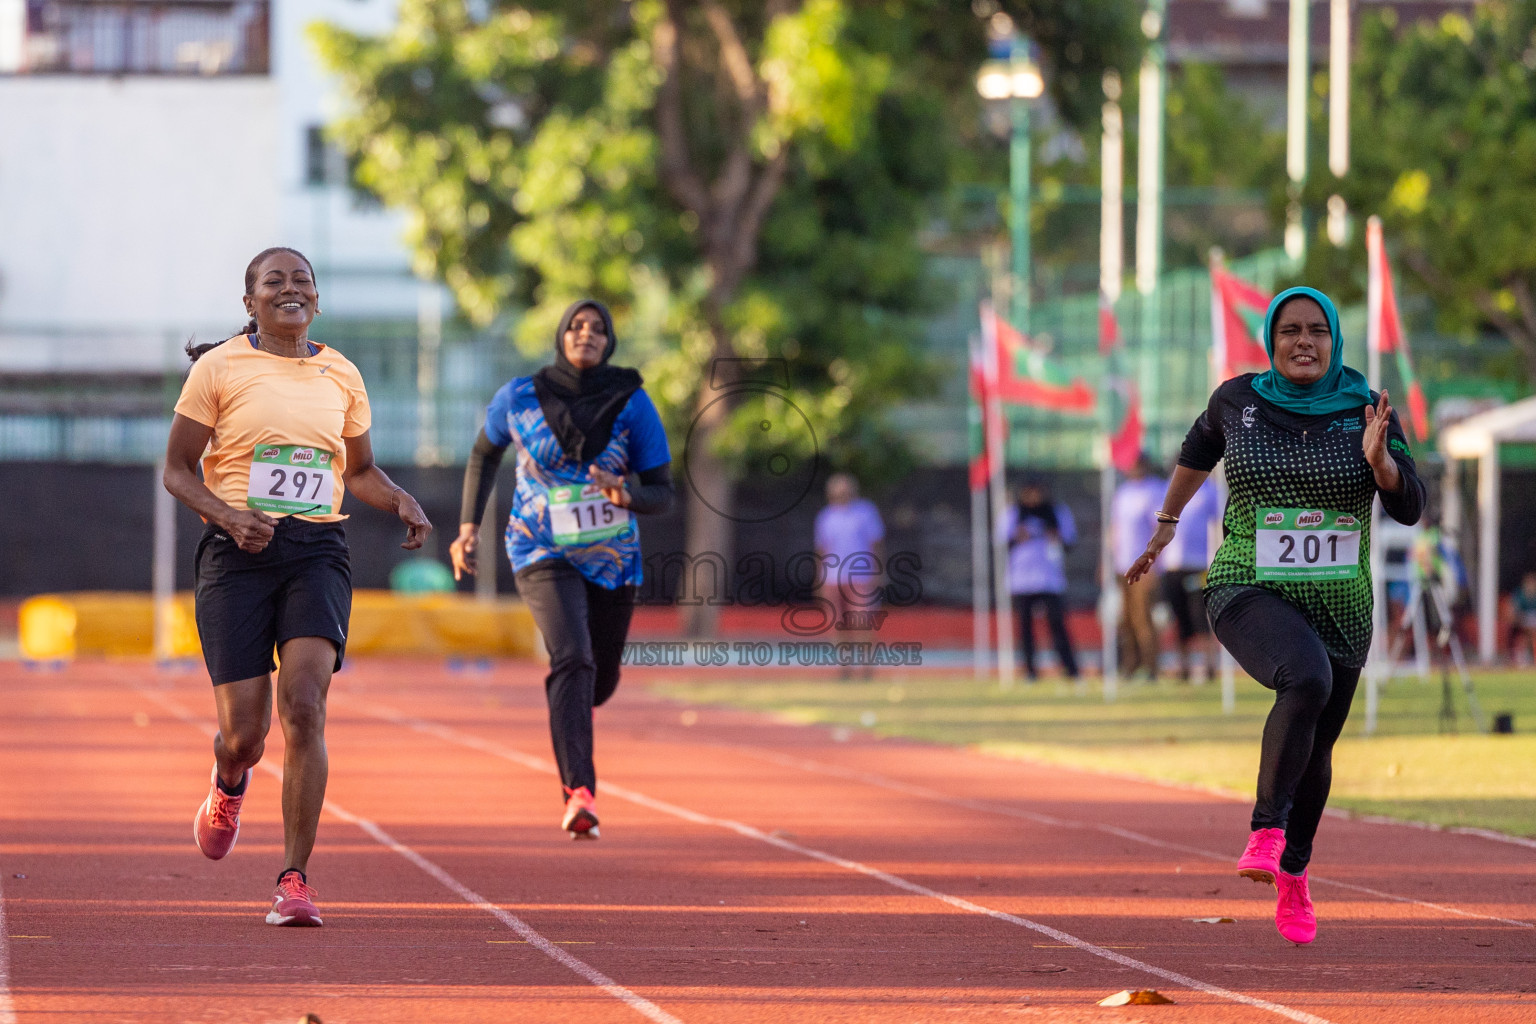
(1139, 997)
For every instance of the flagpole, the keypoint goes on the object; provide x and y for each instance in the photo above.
(997, 466)
(1298, 64)
(1111, 270)
(981, 650)
(1218, 372)
(1376, 663)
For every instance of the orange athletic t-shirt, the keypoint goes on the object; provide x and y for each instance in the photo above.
(253, 398)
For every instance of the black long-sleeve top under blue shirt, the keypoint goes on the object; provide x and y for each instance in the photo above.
(1280, 460)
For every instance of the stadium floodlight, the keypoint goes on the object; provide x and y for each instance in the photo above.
(995, 80)
(1016, 79)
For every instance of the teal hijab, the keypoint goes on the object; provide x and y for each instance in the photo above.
(1337, 390)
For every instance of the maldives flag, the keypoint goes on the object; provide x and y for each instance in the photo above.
(1237, 326)
(981, 463)
(1027, 376)
(1123, 404)
(1385, 331)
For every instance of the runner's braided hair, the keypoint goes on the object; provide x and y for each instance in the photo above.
(196, 351)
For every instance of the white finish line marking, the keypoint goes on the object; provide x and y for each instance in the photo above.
(451, 735)
(607, 985)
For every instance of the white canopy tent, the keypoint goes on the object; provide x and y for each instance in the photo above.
(1478, 437)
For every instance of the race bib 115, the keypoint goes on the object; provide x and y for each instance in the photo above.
(291, 479)
(1306, 544)
(581, 515)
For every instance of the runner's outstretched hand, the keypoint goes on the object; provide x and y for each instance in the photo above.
(417, 526)
(462, 551)
(1375, 441)
(1143, 565)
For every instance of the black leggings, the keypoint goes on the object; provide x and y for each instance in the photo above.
(1055, 618)
(584, 627)
(1275, 644)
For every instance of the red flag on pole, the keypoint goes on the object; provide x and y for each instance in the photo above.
(1123, 420)
(1027, 376)
(1237, 320)
(981, 463)
(1386, 330)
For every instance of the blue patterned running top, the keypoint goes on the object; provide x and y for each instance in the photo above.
(639, 443)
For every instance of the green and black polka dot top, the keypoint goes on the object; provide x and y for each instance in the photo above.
(1278, 460)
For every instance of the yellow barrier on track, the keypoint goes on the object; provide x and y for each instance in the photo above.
(56, 627)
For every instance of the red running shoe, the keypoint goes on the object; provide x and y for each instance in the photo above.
(293, 904)
(217, 824)
(1294, 917)
(1261, 860)
(580, 814)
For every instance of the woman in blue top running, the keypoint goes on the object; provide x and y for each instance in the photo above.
(591, 452)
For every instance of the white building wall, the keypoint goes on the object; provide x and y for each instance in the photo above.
(364, 269)
(130, 205)
(129, 208)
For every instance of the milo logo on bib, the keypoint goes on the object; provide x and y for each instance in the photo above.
(302, 456)
(1306, 544)
(268, 454)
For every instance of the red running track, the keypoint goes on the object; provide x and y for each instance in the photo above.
(748, 871)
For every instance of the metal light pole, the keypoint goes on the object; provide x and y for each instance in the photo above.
(1298, 67)
(1149, 218)
(1010, 75)
(1338, 116)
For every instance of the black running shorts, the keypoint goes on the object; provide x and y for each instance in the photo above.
(300, 584)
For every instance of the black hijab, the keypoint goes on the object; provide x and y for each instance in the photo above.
(581, 405)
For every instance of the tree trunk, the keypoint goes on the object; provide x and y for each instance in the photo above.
(711, 530)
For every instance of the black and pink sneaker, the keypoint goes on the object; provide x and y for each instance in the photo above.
(217, 824)
(580, 818)
(293, 903)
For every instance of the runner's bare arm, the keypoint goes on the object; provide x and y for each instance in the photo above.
(367, 481)
(1181, 488)
(250, 529)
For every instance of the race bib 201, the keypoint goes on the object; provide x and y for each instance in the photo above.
(1306, 544)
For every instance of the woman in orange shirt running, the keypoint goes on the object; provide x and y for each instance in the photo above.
(280, 424)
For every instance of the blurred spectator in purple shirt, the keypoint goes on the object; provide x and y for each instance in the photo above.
(850, 539)
(1039, 531)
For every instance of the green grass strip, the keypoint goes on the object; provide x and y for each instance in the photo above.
(1413, 768)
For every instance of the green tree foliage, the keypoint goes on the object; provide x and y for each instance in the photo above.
(1443, 141)
(737, 178)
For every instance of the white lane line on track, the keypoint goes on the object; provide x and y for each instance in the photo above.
(7, 1007)
(897, 786)
(607, 985)
(451, 735)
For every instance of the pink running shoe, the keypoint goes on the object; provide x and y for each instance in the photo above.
(580, 814)
(1294, 917)
(1261, 860)
(293, 904)
(217, 824)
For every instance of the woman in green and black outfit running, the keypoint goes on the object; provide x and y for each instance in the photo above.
(1308, 447)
